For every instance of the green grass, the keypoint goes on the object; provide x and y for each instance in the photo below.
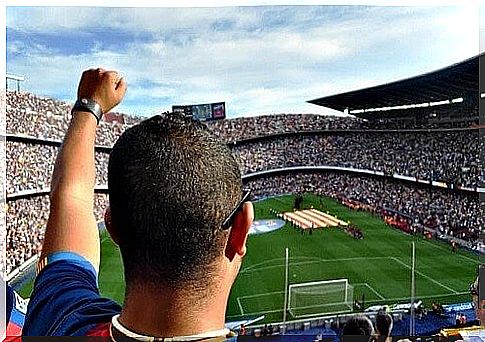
(378, 266)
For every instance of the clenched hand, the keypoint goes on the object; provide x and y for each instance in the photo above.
(107, 88)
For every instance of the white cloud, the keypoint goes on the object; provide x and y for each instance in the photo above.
(258, 60)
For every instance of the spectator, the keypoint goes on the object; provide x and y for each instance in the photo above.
(383, 326)
(242, 330)
(181, 224)
(462, 320)
(265, 330)
(358, 328)
(479, 310)
(451, 156)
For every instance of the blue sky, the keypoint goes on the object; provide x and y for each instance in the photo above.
(259, 60)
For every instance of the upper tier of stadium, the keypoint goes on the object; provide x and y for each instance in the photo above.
(433, 92)
(451, 156)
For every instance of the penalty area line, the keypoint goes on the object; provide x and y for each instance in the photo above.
(372, 289)
(425, 276)
(240, 306)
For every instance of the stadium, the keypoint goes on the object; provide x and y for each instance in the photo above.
(339, 204)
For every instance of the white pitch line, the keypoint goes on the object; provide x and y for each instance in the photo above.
(316, 261)
(240, 306)
(275, 259)
(372, 301)
(257, 313)
(425, 276)
(457, 254)
(374, 290)
(370, 288)
(262, 294)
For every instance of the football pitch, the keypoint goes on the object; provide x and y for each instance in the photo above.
(378, 267)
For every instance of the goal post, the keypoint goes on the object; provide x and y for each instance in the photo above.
(320, 298)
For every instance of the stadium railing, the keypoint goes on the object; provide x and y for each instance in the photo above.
(320, 321)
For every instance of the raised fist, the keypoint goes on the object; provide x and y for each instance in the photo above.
(107, 88)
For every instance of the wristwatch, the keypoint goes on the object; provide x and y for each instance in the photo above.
(88, 105)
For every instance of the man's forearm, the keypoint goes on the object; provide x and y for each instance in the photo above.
(72, 226)
(72, 193)
(74, 172)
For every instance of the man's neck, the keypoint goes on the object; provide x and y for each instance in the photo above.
(168, 313)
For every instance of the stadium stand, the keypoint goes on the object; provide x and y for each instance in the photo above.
(26, 220)
(449, 213)
(450, 156)
(443, 149)
(45, 118)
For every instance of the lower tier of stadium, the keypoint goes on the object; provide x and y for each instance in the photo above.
(449, 214)
(378, 266)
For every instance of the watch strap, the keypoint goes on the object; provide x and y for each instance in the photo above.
(88, 105)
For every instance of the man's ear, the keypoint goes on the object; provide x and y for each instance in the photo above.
(236, 243)
(109, 225)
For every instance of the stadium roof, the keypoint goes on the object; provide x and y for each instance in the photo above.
(14, 77)
(455, 81)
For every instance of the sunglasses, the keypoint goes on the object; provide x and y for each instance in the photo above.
(230, 219)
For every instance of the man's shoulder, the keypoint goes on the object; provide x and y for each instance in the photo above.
(66, 301)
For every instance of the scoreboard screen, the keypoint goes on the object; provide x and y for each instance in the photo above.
(203, 112)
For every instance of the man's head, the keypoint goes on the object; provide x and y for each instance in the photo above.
(358, 328)
(172, 184)
(384, 324)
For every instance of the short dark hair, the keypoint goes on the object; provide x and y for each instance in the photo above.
(384, 323)
(171, 185)
(357, 326)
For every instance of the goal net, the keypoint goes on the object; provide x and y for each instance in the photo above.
(320, 298)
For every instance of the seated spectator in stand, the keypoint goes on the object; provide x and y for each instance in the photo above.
(270, 329)
(265, 330)
(383, 326)
(462, 320)
(242, 330)
(358, 328)
(458, 319)
(177, 212)
(437, 309)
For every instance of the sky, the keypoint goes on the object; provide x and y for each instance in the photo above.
(259, 59)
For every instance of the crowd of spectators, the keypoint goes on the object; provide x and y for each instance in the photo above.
(251, 127)
(453, 214)
(450, 156)
(471, 121)
(26, 219)
(46, 118)
(30, 166)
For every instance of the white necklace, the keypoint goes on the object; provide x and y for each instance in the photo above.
(128, 333)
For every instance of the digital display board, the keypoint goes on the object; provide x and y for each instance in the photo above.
(203, 112)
